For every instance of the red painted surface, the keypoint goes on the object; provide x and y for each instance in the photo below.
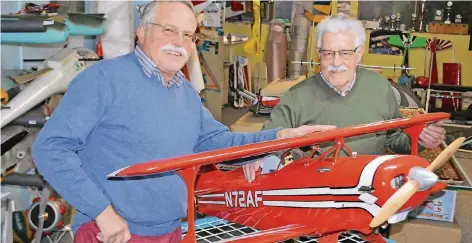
(221, 155)
(309, 195)
(320, 196)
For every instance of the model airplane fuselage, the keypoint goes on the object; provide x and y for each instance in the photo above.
(307, 192)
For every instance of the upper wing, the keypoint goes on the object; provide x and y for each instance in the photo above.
(220, 155)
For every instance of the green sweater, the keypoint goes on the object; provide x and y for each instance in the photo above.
(371, 99)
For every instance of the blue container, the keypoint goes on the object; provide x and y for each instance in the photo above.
(85, 24)
(55, 33)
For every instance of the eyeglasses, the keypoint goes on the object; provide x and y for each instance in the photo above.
(173, 31)
(343, 54)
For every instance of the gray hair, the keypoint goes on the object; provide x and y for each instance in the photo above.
(147, 12)
(338, 24)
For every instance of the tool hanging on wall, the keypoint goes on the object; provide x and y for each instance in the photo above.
(238, 81)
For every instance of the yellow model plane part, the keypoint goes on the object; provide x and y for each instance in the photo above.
(314, 18)
(4, 96)
(326, 9)
(253, 46)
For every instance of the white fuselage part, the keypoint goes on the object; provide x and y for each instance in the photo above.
(65, 65)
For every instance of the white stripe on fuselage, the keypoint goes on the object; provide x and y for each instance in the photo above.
(298, 192)
(212, 195)
(371, 208)
(212, 202)
(367, 176)
(366, 179)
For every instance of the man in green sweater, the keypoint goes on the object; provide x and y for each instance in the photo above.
(343, 94)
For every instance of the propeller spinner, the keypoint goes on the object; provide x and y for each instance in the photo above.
(400, 197)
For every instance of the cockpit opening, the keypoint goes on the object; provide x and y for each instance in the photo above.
(281, 159)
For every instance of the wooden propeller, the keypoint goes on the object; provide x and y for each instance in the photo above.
(400, 197)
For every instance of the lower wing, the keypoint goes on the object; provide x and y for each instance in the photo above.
(274, 235)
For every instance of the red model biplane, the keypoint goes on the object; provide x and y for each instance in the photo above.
(320, 196)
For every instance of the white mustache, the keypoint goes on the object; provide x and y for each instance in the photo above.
(337, 69)
(177, 49)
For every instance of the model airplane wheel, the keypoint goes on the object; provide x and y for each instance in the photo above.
(400, 197)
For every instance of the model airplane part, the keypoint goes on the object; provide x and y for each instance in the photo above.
(321, 196)
(253, 45)
(199, 7)
(4, 96)
(235, 39)
(397, 200)
(407, 41)
(50, 30)
(435, 45)
(321, 12)
(11, 136)
(66, 64)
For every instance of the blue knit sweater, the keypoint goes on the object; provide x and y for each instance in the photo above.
(113, 116)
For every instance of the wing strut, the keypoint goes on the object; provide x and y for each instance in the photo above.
(414, 133)
(190, 175)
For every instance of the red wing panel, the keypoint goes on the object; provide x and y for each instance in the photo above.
(244, 151)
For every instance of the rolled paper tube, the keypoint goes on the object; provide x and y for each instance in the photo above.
(276, 54)
(23, 25)
(195, 71)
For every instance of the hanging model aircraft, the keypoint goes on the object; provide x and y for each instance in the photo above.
(321, 196)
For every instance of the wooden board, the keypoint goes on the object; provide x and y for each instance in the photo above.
(215, 99)
(452, 29)
(259, 76)
(248, 123)
(278, 87)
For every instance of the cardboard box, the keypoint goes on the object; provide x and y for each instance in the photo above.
(453, 29)
(427, 231)
(249, 123)
(439, 206)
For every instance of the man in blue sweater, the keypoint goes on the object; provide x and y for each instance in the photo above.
(131, 109)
